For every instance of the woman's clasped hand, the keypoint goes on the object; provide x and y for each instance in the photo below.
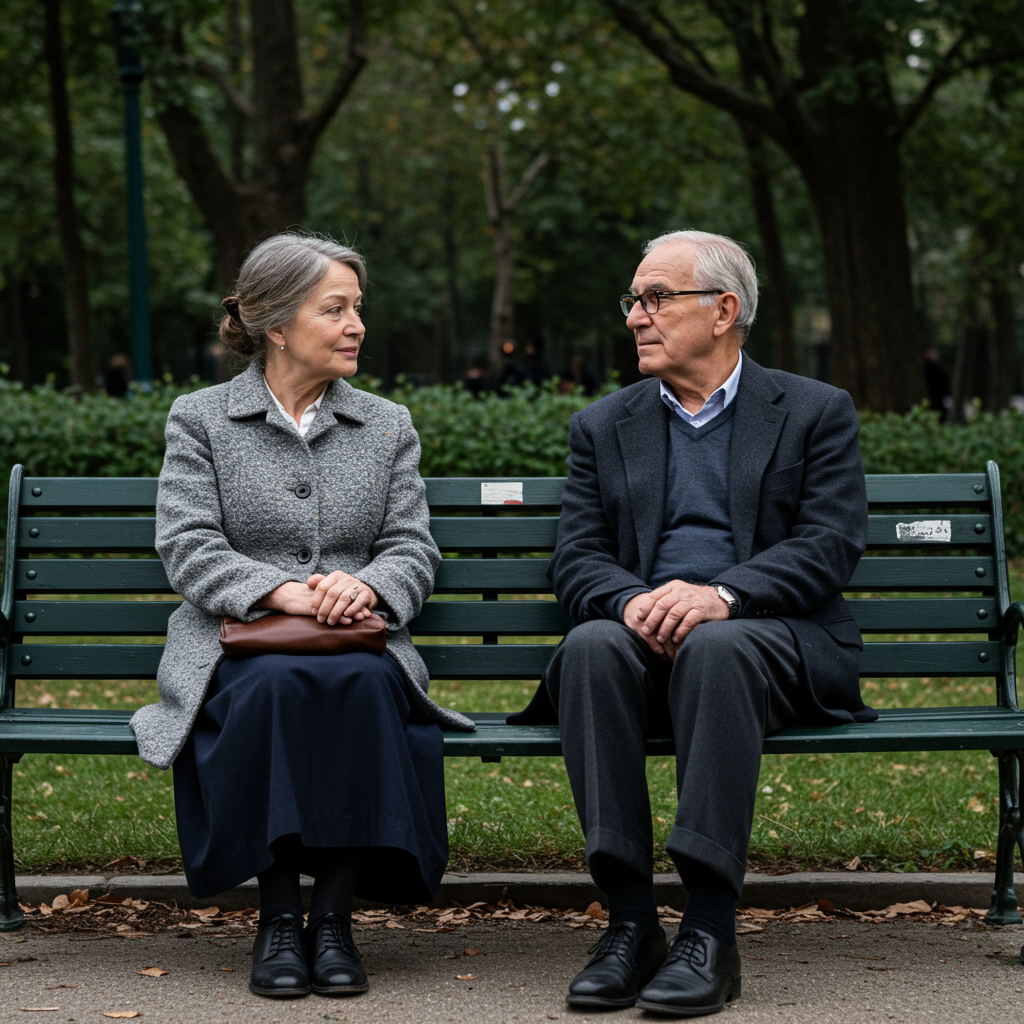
(336, 597)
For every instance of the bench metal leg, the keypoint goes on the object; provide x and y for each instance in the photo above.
(11, 916)
(1004, 897)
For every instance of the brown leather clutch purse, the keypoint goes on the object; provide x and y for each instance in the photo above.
(301, 634)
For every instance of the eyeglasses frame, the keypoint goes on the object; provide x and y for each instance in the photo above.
(627, 301)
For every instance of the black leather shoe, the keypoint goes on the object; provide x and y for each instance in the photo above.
(278, 964)
(334, 963)
(624, 960)
(700, 975)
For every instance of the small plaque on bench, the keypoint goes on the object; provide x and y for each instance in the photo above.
(926, 531)
(502, 493)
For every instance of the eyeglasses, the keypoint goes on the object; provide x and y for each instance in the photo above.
(650, 301)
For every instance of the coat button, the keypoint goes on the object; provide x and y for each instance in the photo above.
(303, 490)
(304, 555)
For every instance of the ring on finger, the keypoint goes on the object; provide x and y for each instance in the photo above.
(354, 594)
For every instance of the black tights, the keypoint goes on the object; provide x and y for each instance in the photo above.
(335, 870)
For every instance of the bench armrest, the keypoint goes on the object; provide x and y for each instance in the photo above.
(1012, 621)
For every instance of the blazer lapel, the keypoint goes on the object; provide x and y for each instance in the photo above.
(341, 400)
(643, 444)
(755, 434)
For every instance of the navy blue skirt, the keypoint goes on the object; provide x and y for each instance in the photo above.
(320, 747)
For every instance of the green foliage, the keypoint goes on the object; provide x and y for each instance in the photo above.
(522, 434)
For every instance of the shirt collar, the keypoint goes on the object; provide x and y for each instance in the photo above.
(718, 401)
(307, 417)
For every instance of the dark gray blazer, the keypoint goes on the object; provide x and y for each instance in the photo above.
(797, 503)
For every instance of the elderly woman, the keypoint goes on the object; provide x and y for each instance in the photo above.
(286, 491)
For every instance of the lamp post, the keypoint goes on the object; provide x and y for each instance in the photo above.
(125, 17)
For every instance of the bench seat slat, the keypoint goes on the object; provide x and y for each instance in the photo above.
(985, 728)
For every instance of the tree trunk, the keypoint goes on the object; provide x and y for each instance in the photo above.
(241, 211)
(76, 283)
(1004, 379)
(780, 295)
(857, 192)
(502, 304)
(19, 331)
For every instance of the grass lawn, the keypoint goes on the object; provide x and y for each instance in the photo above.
(917, 811)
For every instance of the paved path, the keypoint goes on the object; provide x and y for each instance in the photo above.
(838, 971)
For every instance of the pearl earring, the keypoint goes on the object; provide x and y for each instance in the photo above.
(282, 348)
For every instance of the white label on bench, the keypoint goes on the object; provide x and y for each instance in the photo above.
(927, 531)
(503, 493)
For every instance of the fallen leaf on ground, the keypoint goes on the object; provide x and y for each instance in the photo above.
(227, 968)
(466, 977)
(154, 972)
(595, 911)
(60, 902)
(852, 865)
(393, 924)
(917, 907)
(206, 912)
(470, 951)
(121, 1013)
(112, 898)
(79, 897)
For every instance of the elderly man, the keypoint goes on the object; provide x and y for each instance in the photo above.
(711, 518)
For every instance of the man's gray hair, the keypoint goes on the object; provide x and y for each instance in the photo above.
(275, 280)
(720, 263)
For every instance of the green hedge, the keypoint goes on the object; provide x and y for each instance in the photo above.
(54, 434)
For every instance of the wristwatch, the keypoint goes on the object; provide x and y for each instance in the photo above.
(726, 596)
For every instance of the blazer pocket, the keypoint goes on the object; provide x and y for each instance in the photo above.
(785, 479)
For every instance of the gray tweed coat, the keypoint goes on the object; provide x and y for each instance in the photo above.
(245, 504)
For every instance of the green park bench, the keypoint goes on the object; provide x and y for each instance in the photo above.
(936, 564)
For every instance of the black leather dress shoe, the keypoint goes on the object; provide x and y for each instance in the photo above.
(624, 960)
(334, 963)
(278, 964)
(700, 975)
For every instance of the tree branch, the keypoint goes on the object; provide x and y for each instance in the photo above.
(941, 73)
(492, 180)
(222, 80)
(355, 61)
(692, 79)
(537, 165)
(482, 50)
(684, 44)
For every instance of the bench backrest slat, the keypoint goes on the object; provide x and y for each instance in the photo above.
(935, 567)
(492, 661)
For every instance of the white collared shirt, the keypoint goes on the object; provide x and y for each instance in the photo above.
(717, 403)
(307, 417)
